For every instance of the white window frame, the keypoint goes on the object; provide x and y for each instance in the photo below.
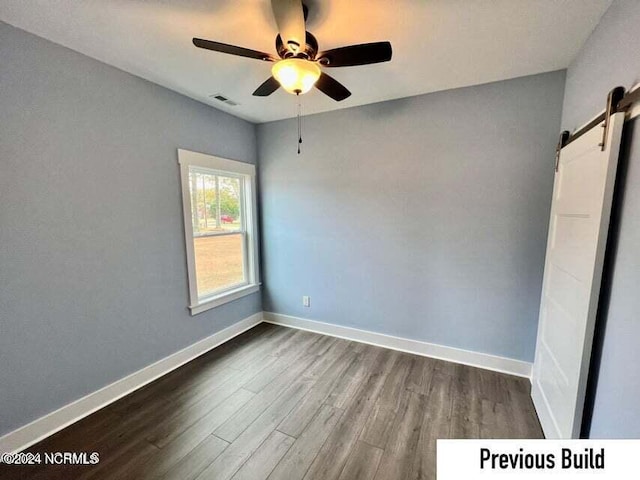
(247, 173)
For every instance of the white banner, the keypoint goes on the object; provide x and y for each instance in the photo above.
(538, 459)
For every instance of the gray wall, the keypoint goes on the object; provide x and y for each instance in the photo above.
(93, 281)
(609, 58)
(424, 217)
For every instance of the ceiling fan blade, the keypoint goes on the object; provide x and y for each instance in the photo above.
(233, 50)
(353, 55)
(289, 16)
(267, 88)
(331, 87)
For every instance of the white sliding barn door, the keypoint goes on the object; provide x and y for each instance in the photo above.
(578, 228)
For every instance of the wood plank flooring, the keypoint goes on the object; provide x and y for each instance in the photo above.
(283, 404)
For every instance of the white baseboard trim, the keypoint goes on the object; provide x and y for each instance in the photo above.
(45, 426)
(51, 423)
(451, 354)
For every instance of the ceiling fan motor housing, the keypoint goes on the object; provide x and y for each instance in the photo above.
(308, 53)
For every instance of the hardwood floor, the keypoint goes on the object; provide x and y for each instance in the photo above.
(277, 403)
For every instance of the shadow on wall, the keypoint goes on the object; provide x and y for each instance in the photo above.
(386, 109)
(608, 274)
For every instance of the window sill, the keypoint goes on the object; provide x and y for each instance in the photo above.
(223, 298)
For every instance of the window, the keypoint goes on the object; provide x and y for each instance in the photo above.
(218, 198)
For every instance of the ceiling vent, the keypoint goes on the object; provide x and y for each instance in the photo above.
(221, 98)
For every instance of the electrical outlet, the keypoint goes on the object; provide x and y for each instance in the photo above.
(306, 301)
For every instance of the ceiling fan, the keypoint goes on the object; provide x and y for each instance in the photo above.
(297, 66)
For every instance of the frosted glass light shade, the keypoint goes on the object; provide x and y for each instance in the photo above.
(296, 75)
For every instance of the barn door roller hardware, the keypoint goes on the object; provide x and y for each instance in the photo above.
(613, 99)
(628, 100)
(617, 101)
(564, 136)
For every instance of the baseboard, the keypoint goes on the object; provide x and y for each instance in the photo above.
(451, 354)
(45, 426)
(49, 424)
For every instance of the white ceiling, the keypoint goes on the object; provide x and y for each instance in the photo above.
(437, 44)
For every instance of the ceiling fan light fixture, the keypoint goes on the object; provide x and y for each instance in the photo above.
(296, 75)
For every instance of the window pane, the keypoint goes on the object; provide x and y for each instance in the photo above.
(216, 202)
(219, 262)
(230, 203)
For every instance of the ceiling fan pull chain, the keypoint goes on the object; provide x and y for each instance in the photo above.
(299, 123)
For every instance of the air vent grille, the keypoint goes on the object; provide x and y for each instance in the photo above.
(221, 98)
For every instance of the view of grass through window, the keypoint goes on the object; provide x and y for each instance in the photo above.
(218, 231)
